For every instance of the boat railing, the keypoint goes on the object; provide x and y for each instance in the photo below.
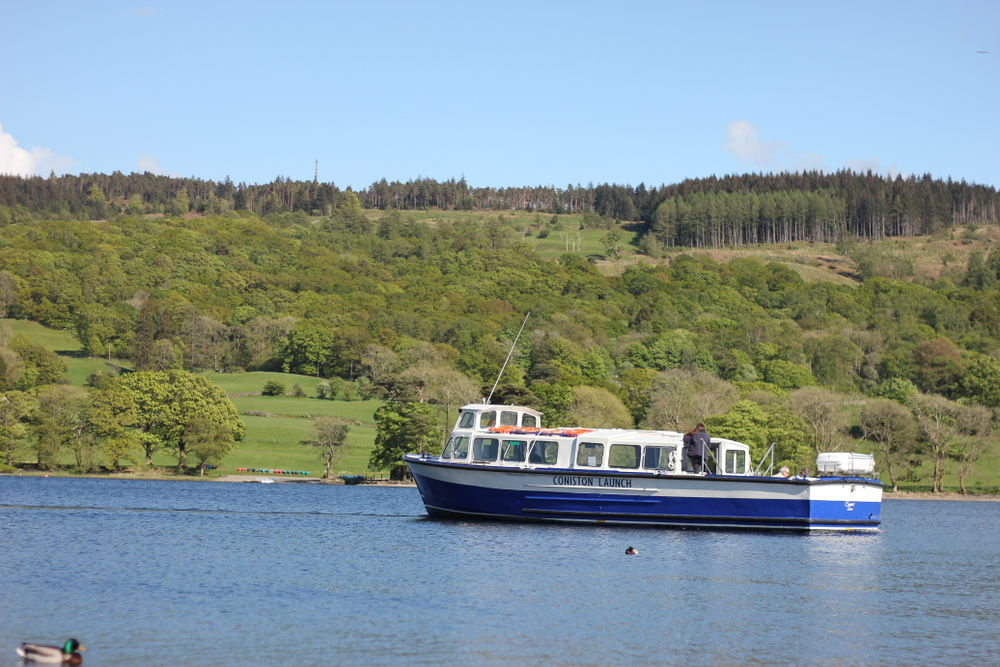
(769, 457)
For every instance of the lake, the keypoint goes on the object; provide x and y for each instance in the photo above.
(186, 573)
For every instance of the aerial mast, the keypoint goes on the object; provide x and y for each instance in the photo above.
(509, 354)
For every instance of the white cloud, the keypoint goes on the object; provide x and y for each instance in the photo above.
(743, 143)
(873, 164)
(148, 163)
(37, 161)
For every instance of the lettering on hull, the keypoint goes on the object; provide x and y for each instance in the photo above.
(603, 482)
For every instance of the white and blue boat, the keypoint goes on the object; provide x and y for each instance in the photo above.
(500, 464)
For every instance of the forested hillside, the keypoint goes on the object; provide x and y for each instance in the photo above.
(423, 313)
(732, 210)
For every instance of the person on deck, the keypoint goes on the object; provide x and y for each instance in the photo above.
(783, 473)
(696, 442)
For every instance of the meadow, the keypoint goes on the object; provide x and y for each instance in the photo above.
(271, 442)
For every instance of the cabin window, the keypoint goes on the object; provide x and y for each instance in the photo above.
(508, 418)
(544, 452)
(513, 450)
(468, 420)
(446, 454)
(485, 449)
(488, 419)
(624, 456)
(590, 454)
(736, 462)
(530, 421)
(461, 448)
(658, 458)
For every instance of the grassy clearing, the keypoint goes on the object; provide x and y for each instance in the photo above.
(66, 346)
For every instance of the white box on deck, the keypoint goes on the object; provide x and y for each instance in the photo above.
(845, 462)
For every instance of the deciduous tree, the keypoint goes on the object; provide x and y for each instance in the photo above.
(889, 427)
(330, 435)
(401, 428)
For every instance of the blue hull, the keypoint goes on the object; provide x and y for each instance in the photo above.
(690, 502)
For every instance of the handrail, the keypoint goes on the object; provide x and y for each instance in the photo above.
(770, 468)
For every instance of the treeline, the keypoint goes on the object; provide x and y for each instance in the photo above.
(733, 210)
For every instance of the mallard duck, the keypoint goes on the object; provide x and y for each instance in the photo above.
(68, 654)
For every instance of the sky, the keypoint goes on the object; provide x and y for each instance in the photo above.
(503, 93)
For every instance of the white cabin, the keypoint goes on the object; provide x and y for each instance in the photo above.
(512, 436)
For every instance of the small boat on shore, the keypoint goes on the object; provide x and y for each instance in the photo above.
(500, 464)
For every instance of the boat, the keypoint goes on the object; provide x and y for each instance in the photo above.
(499, 463)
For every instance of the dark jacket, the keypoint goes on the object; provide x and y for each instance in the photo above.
(697, 444)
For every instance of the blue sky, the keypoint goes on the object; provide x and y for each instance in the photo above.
(506, 94)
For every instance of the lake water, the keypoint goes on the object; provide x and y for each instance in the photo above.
(182, 573)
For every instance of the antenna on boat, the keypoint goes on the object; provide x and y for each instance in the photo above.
(509, 354)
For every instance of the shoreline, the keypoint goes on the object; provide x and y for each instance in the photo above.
(278, 479)
(229, 479)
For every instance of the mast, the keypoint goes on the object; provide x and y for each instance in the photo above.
(509, 354)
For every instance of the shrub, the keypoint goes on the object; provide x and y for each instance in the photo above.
(298, 391)
(272, 388)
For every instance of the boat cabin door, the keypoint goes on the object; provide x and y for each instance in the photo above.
(729, 457)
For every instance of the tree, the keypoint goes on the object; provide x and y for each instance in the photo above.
(167, 402)
(975, 424)
(48, 367)
(379, 362)
(330, 435)
(820, 409)
(745, 422)
(940, 365)
(61, 410)
(208, 441)
(612, 242)
(935, 417)
(557, 403)
(980, 381)
(594, 407)
(401, 428)
(112, 418)
(637, 385)
(682, 398)
(889, 427)
(309, 349)
(15, 410)
(8, 292)
(273, 388)
(448, 387)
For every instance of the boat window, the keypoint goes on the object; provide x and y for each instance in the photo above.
(529, 421)
(736, 462)
(485, 449)
(590, 454)
(544, 452)
(658, 458)
(446, 454)
(488, 419)
(508, 418)
(513, 450)
(460, 449)
(468, 420)
(624, 456)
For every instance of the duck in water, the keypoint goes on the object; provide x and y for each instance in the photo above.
(68, 654)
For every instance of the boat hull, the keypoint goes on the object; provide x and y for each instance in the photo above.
(646, 499)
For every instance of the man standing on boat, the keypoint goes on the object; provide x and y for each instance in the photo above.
(696, 442)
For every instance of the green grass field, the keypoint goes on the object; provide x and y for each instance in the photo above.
(270, 442)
